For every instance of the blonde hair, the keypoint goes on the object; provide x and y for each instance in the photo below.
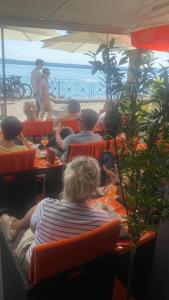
(29, 110)
(81, 177)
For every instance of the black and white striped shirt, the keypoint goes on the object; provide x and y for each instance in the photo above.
(58, 219)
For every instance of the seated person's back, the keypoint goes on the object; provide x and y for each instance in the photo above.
(11, 130)
(52, 219)
(87, 121)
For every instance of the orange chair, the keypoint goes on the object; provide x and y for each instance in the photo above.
(17, 181)
(37, 128)
(86, 149)
(76, 268)
(17, 161)
(72, 123)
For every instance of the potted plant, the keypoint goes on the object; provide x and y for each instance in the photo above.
(143, 169)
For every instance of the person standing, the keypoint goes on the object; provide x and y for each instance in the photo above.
(35, 79)
(45, 105)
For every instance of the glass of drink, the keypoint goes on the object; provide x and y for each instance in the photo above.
(44, 142)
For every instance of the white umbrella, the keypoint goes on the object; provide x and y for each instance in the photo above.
(85, 41)
(20, 33)
(28, 34)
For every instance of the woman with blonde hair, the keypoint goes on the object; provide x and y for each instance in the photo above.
(29, 109)
(53, 219)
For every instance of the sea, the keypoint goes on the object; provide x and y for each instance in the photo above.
(65, 81)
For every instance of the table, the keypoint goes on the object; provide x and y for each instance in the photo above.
(49, 178)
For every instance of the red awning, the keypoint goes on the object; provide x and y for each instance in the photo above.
(156, 38)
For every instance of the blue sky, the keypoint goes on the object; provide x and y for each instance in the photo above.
(33, 50)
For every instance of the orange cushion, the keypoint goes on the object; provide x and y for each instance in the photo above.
(56, 257)
(87, 149)
(72, 123)
(17, 161)
(37, 128)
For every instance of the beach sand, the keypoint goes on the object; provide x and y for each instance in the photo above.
(15, 107)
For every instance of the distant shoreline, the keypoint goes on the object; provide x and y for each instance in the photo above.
(50, 64)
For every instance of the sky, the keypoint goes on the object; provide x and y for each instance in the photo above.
(24, 50)
(30, 51)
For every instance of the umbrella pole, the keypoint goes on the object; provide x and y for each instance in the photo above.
(4, 104)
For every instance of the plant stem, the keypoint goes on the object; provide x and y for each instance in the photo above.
(120, 177)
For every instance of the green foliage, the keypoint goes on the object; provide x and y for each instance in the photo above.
(160, 89)
(109, 68)
(144, 172)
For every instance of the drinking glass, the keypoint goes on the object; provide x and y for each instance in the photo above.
(44, 142)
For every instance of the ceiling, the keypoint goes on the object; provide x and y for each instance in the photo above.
(110, 16)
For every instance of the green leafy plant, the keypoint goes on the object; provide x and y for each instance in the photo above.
(143, 170)
(109, 68)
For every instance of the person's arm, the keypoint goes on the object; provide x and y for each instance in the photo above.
(114, 178)
(24, 141)
(63, 143)
(59, 140)
(36, 217)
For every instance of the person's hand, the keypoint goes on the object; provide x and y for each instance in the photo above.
(58, 129)
(21, 137)
(114, 178)
(56, 122)
(24, 141)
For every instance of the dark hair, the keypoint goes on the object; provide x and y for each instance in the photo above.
(11, 127)
(73, 106)
(45, 70)
(89, 118)
(39, 62)
(65, 132)
(112, 122)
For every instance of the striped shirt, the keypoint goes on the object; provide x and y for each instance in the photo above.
(55, 220)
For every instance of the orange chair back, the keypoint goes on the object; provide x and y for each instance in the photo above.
(72, 123)
(37, 128)
(120, 142)
(17, 161)
(56, 257)
(88, 149)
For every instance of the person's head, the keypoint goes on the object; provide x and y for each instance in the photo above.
(73, 107)
(39, 63)
(46, 72)
(11, 128)
(29, 109)
(81, 178)
(112, 124)
(88, 119)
